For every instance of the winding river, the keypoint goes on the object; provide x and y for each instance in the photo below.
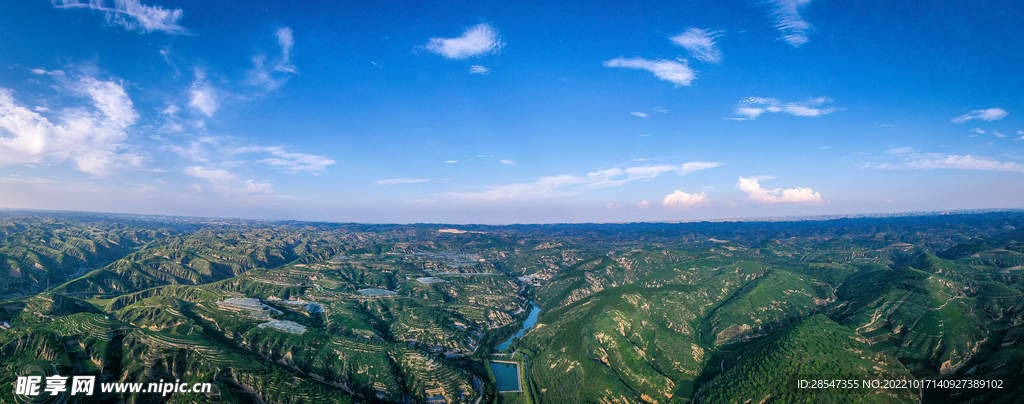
(530, 321)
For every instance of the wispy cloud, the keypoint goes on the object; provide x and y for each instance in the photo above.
(44, 72)
(683, 200)
(273, 74)
(202, 96)
(200, 149)
(978, 131)
(991, 114)
(778, 195)
(291, 162)
(900, 150)
(225, 151)
(227, 183)
(561, 186)
(937, 161)
(478, 40)
(787, 18)
(640, 114)
(402, 181)
(203, 99)
(700, 43)
(753, 107)
(509, 162)
(287, 41)
(92, 137)
(132, 14)
(477, 69)
(675, 72)
(1021, 133)
(287, 161)
(697, 166)
(451, 161)
(643, 205)
(997, 134)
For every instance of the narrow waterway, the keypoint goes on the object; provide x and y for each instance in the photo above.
(530, 321)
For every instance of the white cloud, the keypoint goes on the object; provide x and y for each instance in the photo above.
(508, 162)
(289, 162)
(997, 134)
(750, 113)
(643, 205)
(761, 195)
(110, 99)
(936, 161)
(475, 41)
(90, 137)
(296, 162)
(477, 69)
(199, 149)
(683, 200)
(546, 187)
(41, 72)
(227, 183)
(225, 152)
(613, 176)
(261, 75)
(132, 15)
(202, 96)
(696, 166)
(700, 43)
(789, 22)
(567, 185)
(900, 150)
(978, 131)
(402, 181)
(991, 114)
(1021, 133)
(753, 107)
(640, 114)
(676, 72)
(451, 161)
(287, 41)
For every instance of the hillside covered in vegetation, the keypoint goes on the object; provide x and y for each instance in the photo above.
(293, 312)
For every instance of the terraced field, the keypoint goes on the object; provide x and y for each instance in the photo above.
(631, 313)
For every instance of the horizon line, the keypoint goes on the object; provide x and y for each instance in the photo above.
(749, 219)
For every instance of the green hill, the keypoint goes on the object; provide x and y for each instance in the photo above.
(816, 349)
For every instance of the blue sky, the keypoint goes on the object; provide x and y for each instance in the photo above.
(489, 112)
